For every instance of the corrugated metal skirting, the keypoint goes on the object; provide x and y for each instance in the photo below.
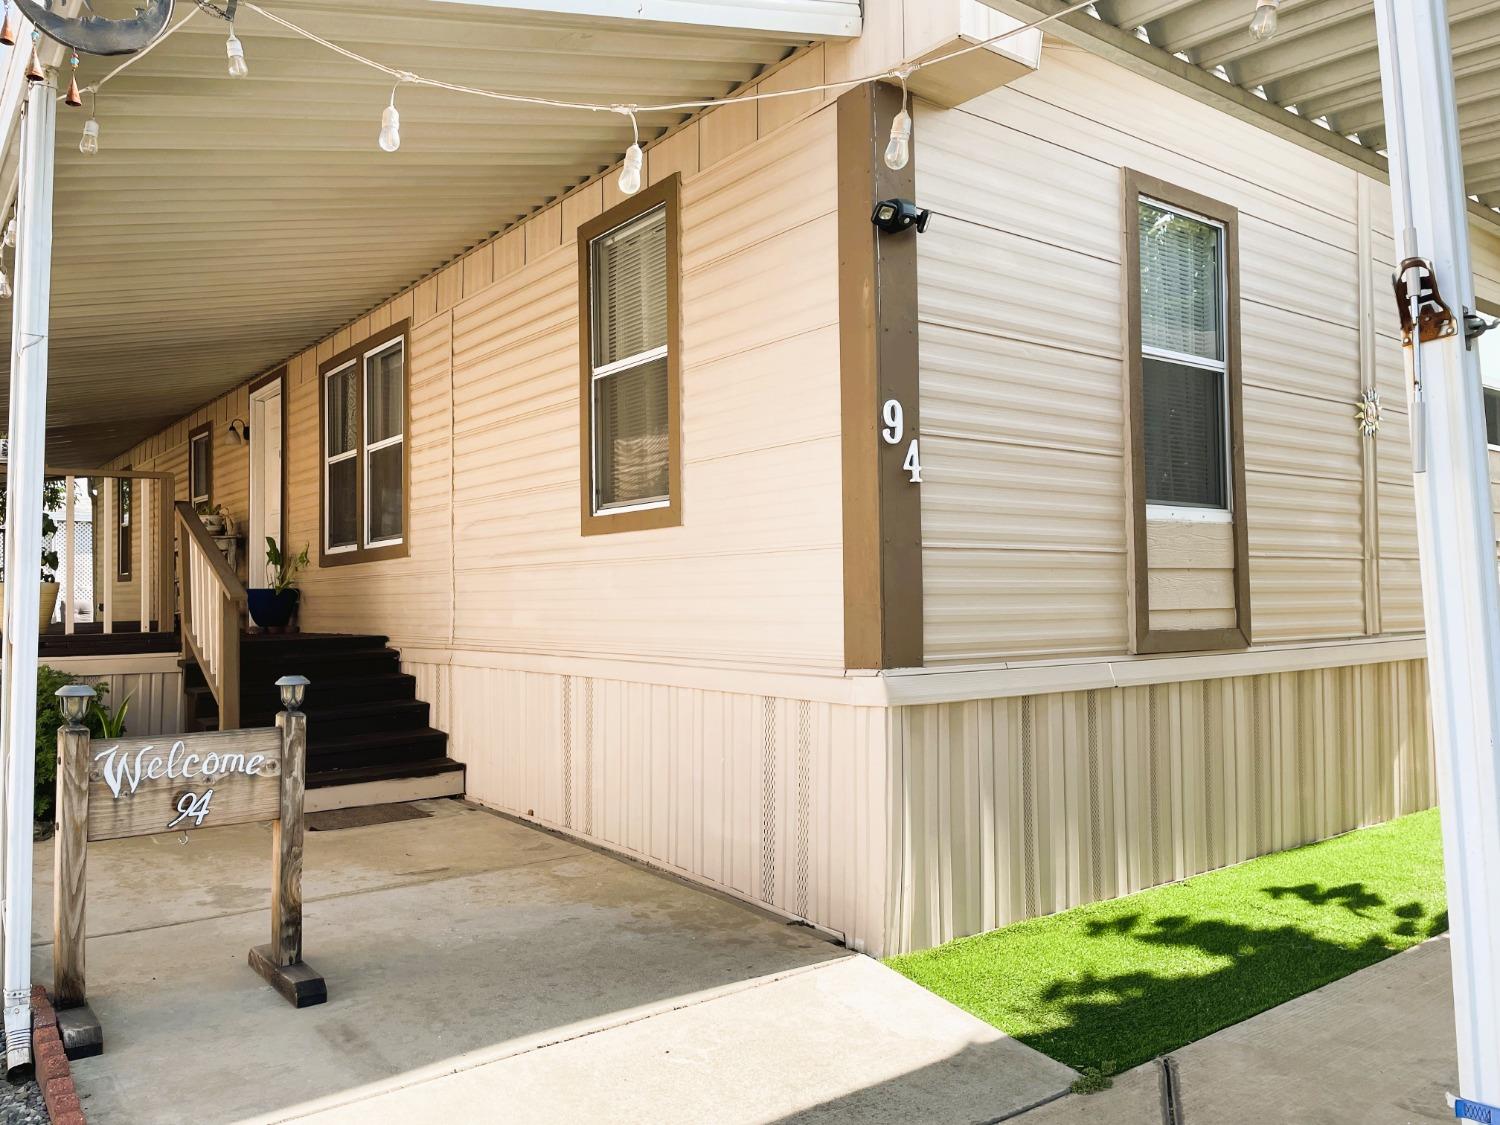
(1005, 809)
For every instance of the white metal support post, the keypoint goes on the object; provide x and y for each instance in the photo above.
(23, 547)
(1455, 524)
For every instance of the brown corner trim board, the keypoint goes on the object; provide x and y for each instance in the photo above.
(879, 393)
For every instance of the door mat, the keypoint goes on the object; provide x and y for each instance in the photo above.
(334, 819)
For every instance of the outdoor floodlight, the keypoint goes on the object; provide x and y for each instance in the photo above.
(293, 688)
(896, 215)
(75, 702)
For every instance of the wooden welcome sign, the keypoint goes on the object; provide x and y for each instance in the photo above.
(112, 788)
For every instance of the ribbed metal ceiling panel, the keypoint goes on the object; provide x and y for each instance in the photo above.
(225, 224)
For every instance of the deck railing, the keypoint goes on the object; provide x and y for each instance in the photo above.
(96, 576)
(213, 600)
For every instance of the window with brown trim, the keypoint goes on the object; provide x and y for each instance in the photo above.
(364, 418)
(1184, 405)
(629, 300)
(124, 492)
(201, 465)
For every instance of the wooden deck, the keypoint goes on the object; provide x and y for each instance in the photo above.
(89, 639)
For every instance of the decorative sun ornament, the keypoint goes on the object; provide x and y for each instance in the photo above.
(1367, 412)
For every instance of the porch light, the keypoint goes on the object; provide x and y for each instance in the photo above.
(88, 144)
(898, 152)
(236, 52)
(75, 700)
(1263, 23)
(293, 688)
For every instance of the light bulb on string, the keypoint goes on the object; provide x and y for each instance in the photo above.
(1263, 23)
(635, 159)
(898, 149)
(5, 289)
(390, 124)
(88, 144)
(236, 52)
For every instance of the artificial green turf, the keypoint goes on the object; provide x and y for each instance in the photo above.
(1116, 983)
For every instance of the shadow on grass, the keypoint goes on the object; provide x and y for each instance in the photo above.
(1122, 1019)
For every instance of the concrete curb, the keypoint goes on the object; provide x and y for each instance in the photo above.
(53, 1073)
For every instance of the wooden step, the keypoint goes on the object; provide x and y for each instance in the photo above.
(354, 751)
(347, 789)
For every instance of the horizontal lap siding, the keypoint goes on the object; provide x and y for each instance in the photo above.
(1024, 500)
(1006, 809)
(755, 571)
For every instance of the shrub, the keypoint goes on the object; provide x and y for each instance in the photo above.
(49, 717)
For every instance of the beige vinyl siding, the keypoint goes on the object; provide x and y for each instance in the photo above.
(1192, 574)
(496, 560)
(1008, 808)
(1024, 505)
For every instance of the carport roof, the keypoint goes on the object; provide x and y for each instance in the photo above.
(1317, 79)
(224, 225)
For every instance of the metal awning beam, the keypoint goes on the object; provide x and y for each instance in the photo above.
(796, 19)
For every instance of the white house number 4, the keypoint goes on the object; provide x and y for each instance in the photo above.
(894, 430)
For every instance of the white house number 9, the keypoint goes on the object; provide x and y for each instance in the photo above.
(894, 417)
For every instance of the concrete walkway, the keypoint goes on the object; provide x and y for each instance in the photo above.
(1375, 1048)
(480, 970)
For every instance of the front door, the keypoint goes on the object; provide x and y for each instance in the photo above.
(265, 479)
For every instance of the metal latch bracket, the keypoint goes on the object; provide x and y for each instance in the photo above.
(1434, 319)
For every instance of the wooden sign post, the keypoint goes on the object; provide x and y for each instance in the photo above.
(109, 789)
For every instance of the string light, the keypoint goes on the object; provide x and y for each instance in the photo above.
(630, 175)
(635, 159)
(898, 151)
(88, 144)
(236, 52)
(1263, 23)
(390, 124)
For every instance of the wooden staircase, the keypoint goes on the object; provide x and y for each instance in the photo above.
(369, 738)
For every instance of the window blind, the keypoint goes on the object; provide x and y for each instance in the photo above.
(630, 289)
(1184, 435)
(630, 426)
(1181, 298)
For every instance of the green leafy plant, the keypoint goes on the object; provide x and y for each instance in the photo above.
(52, 499)
(285, 570)
(111, 722)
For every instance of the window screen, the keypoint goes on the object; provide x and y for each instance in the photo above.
(629, 418)
(1184, 373)
(1489, 372)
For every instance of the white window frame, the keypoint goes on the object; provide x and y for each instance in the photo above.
(1489, 376)
(620, 366)
(366, 449)
(1195, 513)
(206, 437)
(329, 462)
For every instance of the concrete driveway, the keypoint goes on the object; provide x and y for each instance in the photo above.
(481, 970)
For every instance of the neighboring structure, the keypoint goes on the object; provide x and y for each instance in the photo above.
(624, 485)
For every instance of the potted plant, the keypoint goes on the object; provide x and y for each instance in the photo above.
(212, 516)
(52, 500)
(272, 607)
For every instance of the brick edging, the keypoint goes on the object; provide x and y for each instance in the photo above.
(53, 1073)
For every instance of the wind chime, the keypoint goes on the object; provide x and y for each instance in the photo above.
(91, 33)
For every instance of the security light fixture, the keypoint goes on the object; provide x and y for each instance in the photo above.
(293, 688)
(896, 215)
(75, 702)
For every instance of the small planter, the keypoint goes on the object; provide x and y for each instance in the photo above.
(273, 611)
(213, 523)
(46, 603)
